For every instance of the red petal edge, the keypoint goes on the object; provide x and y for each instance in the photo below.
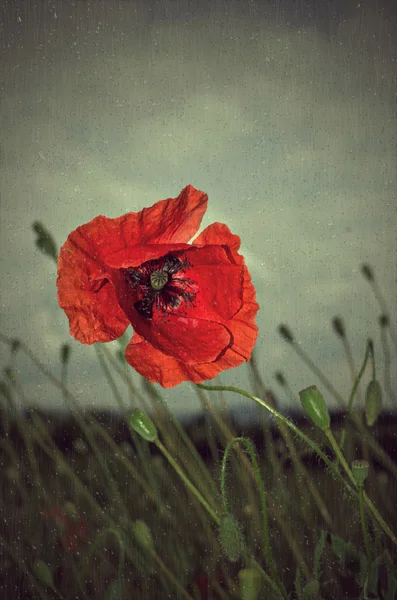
(84, 290)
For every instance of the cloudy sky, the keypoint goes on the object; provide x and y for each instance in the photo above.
(283, 112)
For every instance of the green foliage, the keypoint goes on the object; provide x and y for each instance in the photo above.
(115, 590)
(318, 552)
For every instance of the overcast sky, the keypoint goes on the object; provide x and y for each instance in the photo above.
(282, 112)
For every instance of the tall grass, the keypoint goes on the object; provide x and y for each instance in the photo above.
(307, 512)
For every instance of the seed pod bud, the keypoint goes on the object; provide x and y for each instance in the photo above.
(286, 333)
(314, 404)
(143, 535)
(339, 327)
(250, 584)
(384, 321)
(373, 402)
(10, 374)
(311, 589)
(43, 573)
(230, 537)
(360, 471)
(15, 345)
(366, 270)
(144, 426)
(280, 378)
(65, 353)
(45, 241)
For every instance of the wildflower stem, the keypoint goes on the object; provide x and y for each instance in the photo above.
(21, 562)
(289, 423)
(95, 546)
(109, 378)
(354, 389)
(229, 434)
(319, 452)
(373, 444)
(202, 500)
(187, 481)
(364, 527)
(268, 552)
(350, 475)
(358, 378)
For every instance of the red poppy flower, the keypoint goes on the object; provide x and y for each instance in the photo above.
(73, 531)
(192, 306)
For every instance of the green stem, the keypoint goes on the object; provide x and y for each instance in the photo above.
(118, 397)
(170, 575)
(350, 475)
(354, 389)
(289, 423)
(213, 515)
(186, 481)
(360, 374)
(95, 547)
(351, 490)
(364, 528)
(268, 552)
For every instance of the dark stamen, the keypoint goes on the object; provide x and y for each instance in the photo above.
(159, 285)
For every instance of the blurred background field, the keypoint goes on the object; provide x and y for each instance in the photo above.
(91, 510)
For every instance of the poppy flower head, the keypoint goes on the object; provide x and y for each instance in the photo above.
(72, 531)
(192, 305)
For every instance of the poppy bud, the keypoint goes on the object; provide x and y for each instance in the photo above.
(71, 511)
(366, 270)
(280, 378)
(360, 471)
(373, 402)
(45, 241)
(250, 584)
(65, 354)
(15, 344)
(43, 573)
(286, 333)
(9, 373)
(144, 426)
(314, 404)
(339, 327)
(311, 589)
(143, 535)
(230, 537)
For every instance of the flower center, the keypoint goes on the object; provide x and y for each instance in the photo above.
(160, 285)
(158, 279)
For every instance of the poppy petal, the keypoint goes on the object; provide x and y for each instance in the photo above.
(219, 233)
(155, 365)
(174, 220)
(186, 339)
(219, 282)
(136, 255)
(87, 297)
